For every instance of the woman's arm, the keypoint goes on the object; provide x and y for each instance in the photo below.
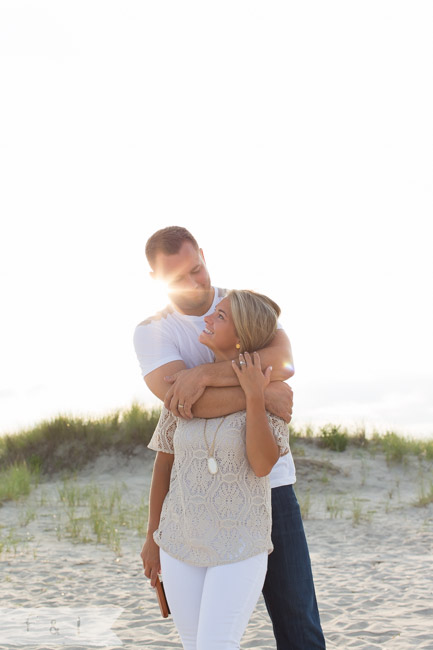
(262, 449)
(158, 491)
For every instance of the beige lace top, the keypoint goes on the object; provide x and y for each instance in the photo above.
(211, 519)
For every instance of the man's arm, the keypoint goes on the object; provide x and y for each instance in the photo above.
(188, 385)
(278, 355)
(216, 402)
(156, 381)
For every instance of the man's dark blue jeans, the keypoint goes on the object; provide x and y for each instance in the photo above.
(289, 588)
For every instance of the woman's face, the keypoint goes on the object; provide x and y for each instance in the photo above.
(220, 334)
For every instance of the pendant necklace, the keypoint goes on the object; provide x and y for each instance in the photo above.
(211, 461)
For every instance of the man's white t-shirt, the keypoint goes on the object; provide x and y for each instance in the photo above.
(171, 336)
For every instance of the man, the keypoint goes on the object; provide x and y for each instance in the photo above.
(179, 370)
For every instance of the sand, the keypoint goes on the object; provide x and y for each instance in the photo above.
(371, 551)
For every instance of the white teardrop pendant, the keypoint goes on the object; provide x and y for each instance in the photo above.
(212, 465)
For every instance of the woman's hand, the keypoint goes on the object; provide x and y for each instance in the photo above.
(250, 375)
(151, 562)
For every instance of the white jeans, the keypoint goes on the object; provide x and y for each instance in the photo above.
(211, 606)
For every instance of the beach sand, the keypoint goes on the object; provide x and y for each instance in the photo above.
(371, 550)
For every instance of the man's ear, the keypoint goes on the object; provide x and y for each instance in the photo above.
(202, 254)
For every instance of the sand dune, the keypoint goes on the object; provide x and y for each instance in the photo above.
(371, 550)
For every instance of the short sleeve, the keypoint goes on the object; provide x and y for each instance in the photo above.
(281, 433)
(154, 347)
(162, 439)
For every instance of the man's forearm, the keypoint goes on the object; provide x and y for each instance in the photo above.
(279, 356)
(221, 374)
(216, 402)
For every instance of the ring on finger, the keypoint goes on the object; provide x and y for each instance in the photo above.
(180, 406)
(242, 363)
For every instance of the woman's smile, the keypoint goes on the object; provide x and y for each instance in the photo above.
(219, 333)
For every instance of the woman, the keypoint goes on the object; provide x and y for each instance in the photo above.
(212, 528)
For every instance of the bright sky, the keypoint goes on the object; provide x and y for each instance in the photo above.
(294, 140)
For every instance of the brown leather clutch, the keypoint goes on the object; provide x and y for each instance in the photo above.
(162, 599)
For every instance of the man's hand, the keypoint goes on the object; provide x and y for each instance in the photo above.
(151, 562)
(187, 387)
(279, 400)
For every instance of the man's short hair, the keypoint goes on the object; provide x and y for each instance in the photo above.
(168, 241)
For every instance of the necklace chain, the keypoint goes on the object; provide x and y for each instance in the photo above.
(210, 450)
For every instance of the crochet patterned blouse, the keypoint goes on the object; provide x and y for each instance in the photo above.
(210, 519)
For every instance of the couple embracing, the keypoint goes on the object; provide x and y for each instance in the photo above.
(224, 523)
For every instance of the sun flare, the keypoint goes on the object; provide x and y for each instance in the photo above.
(156, 295)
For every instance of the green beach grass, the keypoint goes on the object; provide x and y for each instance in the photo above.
(16, 481)
(66, 444)
(396, 447)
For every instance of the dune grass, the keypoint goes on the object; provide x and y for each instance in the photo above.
(16, 481)
(92, 514)
(396, 447)
(68, 443)
(425, 495)
(81, 514)
(10, 542)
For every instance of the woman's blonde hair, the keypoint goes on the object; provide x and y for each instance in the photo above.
(255, 318)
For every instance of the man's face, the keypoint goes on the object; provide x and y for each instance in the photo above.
(187, 279)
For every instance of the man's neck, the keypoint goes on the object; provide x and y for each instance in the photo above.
(197, 311)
